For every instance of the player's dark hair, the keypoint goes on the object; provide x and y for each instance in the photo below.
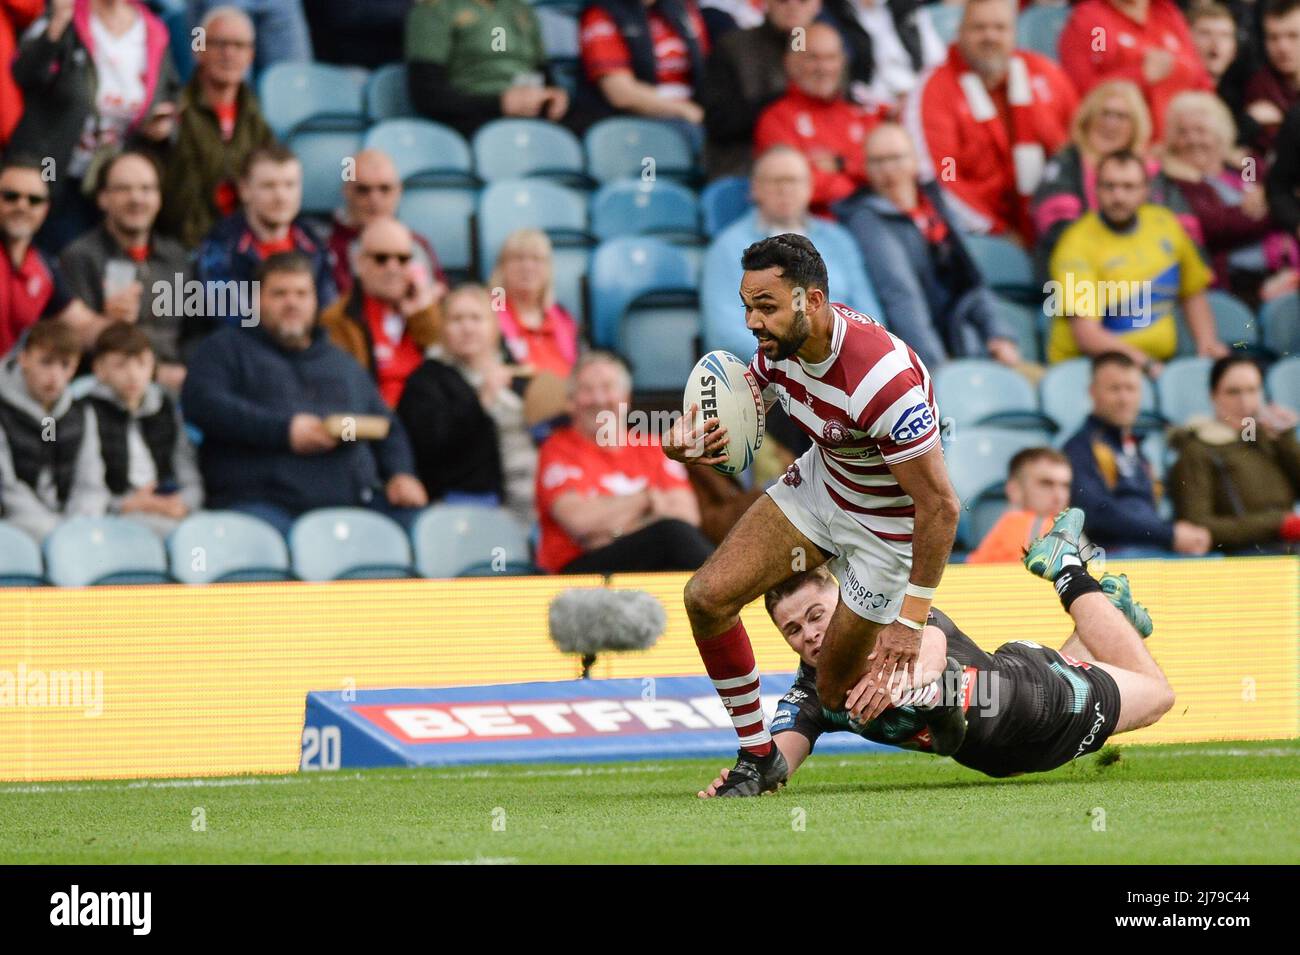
(125, 338)
(284, 262)
(800, 263)
(1279, 8)
(106, 167)
(1117, 358)
(1225, 364)
(1122, 157)
(1022, 459)
(819, 575)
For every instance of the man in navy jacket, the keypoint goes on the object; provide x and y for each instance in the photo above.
(261, 394)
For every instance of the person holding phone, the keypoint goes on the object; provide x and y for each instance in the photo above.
(392, 314)
(98, 77)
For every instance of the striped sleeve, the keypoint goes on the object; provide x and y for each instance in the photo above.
(894, 404)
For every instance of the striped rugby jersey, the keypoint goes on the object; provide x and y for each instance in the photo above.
(867, 406)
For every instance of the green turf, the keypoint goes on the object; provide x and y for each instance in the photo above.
(1213, 802)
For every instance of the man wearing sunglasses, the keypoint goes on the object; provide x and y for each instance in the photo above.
(31, 287)
(392, 315)
(374, 193)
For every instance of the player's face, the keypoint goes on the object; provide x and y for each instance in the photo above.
(1116, 395)
(1045, 487)
(775, 313)
(1238, 395)
(804, 616)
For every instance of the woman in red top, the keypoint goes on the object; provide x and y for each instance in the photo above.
(537, 332)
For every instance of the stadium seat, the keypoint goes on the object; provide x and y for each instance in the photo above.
(442, 215)
(945, 17)
(1184, 389)
(297, 96)
(1004, 265)
(89, 551)
(463, 540)
(322, 153)
(1023, 322)
(1039, 29)
(978, 391)
(619, 148)
(986, 512)
(569, 265)
(348, 543)
(177, 20)
(514, 148)
(20, 558)
(559, 33)
(425, 152)
(510, 204)
(722, 202)
(624, 270)
(632, 207)
(661, 342)
(218, 547)
(387, 95)
(1063, 396)
(1281, 321)
(1283, 383)
(1236, 324)
(977, 460)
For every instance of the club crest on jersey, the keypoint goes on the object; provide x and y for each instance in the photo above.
(912, 423)
(792, 476)
(836, 432)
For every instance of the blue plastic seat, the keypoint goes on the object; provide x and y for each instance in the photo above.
(514, 148)
(660, 341)
(453, 540)
(225, 547)
(569, 266)
(20, 558)
(1039, 29)
(322, 154)
(297, 96)
(510, 204)
(1063, 396)
(979, 391)
(348, 543)
(1184, 389)
(442, 214)
(386, 94)
(632, 207)
(90, 551)
(1003, 264)
(626, 269)
(1237, 325)
(1283, 383)
(722, 202)
(945, 18)
(1281, 321)
(1023, 322)
(629, 148)
(423, 151)
(977, 459)
(559, 31)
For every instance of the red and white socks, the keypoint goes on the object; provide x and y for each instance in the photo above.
(729, 661)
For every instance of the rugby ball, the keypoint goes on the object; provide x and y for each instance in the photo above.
(722, 385)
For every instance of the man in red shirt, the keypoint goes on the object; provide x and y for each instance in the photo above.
(645, 57)
(392, 315)
(1145, 41)
(608, 499)
(986, 119)
(31, 287)
(374, 193)
(815, 118)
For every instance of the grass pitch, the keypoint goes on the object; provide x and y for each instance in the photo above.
(1204, 803)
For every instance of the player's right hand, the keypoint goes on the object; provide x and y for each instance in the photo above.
(689, 444)
(895, 652)
(714, 786)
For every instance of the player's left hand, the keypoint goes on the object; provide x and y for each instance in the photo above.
(714, 786)
(896, 651)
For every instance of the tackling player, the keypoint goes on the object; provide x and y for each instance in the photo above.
(1029, 708)
(872, 494)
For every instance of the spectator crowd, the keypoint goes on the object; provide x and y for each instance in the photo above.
(177, 333)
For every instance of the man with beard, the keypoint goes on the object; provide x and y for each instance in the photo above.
(871, 495)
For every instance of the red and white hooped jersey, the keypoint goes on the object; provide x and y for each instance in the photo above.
(870, 404)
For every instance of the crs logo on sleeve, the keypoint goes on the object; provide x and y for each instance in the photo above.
(912, 423)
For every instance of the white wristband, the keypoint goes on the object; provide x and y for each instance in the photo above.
(912, 624)
(916, 590)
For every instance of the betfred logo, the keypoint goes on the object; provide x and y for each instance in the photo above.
(548, 719)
